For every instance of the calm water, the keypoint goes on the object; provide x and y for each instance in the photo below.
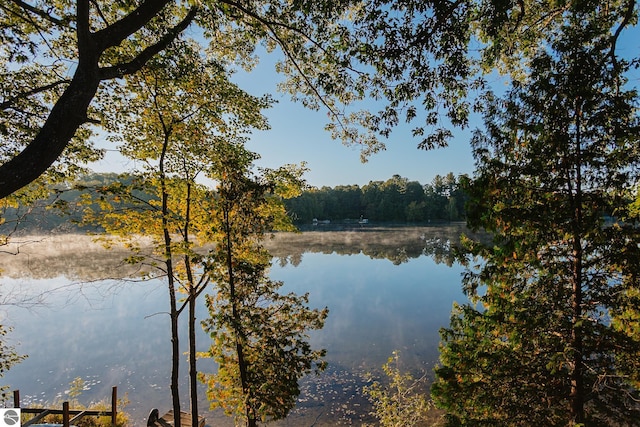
(381, 298)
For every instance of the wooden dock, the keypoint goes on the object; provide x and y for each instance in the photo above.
(167, 419)
(69, 416)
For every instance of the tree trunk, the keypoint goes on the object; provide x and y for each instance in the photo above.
(193, 372)
(242, 365)
(576, 340)
(577, 397)
(175, 355)
(67, 115)
(193, 293)
(175, 345)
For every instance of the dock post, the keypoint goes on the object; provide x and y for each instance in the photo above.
(65, 414)
(114, 405)
(16, 398)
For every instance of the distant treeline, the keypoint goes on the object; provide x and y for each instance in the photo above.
(61, 211)
(394, 200)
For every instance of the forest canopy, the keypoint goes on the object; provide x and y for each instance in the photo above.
(397, 200)
(424, 61)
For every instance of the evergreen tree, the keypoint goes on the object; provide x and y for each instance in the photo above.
(537, 345)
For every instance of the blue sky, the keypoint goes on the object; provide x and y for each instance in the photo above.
(297, 134)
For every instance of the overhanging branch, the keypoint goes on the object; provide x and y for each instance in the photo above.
(115, 33)
(120, 70)
(70, 110)
(40, 13)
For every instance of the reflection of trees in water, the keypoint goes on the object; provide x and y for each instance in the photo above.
(78, 257)
(397, 244)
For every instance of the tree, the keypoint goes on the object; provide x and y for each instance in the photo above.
(178, 111)
(403, 402)
(49, 107)
(183, 121)
(393, 198)
(8, 358)
(348, 201)
(161, 208)
(414, 191)
(372, 196)
(259, 335)
(537, 345)
(437, 198)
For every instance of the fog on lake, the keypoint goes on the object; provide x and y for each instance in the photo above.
(387, 289)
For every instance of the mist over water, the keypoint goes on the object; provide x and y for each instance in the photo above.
(395, 295)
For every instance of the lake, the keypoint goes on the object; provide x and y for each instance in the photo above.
(386, 288)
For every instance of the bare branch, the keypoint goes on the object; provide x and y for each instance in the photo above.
(31, 21)
(309, 83)
(99, 12)
(271, 24)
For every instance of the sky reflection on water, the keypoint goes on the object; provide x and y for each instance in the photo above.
(112, 333)
(376, 307)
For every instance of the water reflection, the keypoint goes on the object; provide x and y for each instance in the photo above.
(76, 257)
(80, 258)
(111, 332)
(396, 244)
